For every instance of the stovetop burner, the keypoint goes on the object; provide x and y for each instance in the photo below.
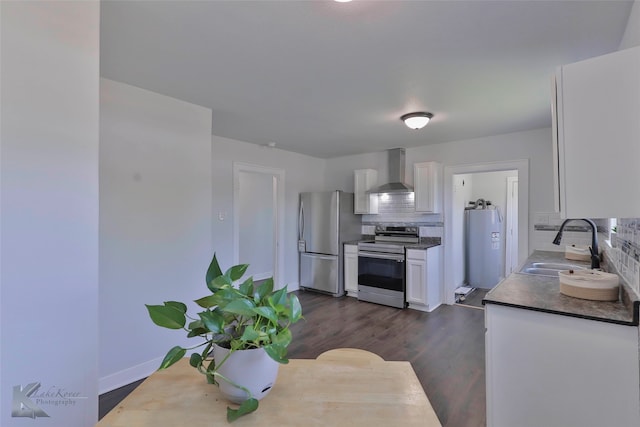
(391, 239)
(400, 234)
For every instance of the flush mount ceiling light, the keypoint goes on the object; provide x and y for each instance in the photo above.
(416, 120)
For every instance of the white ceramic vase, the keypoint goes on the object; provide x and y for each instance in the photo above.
(253, 369)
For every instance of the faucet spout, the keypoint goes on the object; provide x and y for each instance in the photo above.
(595, 253)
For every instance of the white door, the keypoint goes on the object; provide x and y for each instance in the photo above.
(258, 198)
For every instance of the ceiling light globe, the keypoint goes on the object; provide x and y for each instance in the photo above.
(416, 120)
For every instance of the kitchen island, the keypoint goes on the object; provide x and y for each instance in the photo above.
(554, 360)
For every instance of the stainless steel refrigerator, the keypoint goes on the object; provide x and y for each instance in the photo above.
(325, 221)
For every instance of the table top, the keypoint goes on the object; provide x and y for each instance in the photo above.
(343, 387)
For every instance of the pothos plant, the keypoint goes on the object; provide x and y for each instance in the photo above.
(236, 315)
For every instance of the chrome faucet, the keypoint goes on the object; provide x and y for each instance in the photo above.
(595, 254)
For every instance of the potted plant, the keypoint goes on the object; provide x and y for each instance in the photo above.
(239, 320)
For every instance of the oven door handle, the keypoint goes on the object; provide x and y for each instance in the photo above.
(378, 255)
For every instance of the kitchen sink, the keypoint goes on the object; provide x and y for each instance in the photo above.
(550, 269)
(557, 266)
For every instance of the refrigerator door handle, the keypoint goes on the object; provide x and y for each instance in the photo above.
(317, 256)
(301, 221)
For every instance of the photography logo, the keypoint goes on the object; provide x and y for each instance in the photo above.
(28, 400)
(23, 406)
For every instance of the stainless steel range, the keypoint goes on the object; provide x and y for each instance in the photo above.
(381, 265)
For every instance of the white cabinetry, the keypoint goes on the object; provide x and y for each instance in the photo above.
(427, 179)
(597, 136)
(364, 180)
(552, 370)
(351, 270)
(424, 278)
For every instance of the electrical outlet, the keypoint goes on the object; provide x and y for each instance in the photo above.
(541, 219)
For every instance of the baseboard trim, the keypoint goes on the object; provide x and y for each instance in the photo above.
(127, 376)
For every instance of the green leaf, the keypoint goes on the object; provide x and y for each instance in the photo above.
(166, 316)
(221, 298)
(277, 352)
(278, 298)
(207, 302)
(267, 312)
(175, 354)
(211, 379)
(197, 332)
(195, 324)
(207, 349)
(220, 282)
(243, 307)
(295, 308)
(246, 288)
(263, 290)
(245, 408)
(212, 320)
(213, 271)
(237, 271)
(283, 338)
(249, 334)
(195, 360)
(177, 305)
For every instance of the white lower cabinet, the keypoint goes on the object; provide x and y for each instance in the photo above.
(351, 270)
(552, 370)
(423, 276)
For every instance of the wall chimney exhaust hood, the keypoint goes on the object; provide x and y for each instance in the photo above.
(396, 174)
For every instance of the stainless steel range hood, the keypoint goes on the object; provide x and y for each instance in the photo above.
(396, 174)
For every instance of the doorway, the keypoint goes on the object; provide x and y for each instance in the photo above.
(455, 194)
(498, 189)
(258, 206)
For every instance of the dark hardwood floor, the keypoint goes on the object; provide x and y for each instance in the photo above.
(445, 348)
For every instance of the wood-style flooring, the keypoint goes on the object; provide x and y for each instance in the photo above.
(445, 348)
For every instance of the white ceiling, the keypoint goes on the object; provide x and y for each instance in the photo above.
(330, 79)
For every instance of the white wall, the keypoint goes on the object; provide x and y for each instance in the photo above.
(302, 173)
(49, 204)
(492, 186)
(631, 35)
(155, 222)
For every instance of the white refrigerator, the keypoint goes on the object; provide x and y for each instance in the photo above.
(484, 244)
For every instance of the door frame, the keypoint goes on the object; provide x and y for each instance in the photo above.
(278, 181)
(522, 166)
(509, 217)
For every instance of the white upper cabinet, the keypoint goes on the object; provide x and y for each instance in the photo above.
(427, 179)
(597, 137)
(363, 202)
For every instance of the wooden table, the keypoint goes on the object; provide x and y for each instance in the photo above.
(344, 387)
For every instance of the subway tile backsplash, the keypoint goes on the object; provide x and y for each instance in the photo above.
(396, 203)
(399, 209)
(625, 252)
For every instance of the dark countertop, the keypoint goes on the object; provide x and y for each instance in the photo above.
(421, 246)
(542, 293)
